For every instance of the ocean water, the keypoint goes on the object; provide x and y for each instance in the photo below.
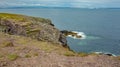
(101, 26)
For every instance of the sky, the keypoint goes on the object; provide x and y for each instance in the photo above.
(62, 3)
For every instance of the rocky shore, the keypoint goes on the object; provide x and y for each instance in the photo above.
(74, 34)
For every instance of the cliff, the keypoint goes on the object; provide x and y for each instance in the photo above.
(34, 27)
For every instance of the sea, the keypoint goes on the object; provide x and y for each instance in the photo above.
(100, 26)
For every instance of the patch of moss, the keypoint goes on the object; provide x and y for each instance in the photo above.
(31, 54)
(7, 44)
(82, 54)
(47, 47)
(22, 18)
(69, 53)
(35, 54)
(28, 56)
(1, 56)
(12, 57)
(33, 31)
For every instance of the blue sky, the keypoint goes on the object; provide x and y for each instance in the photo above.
(62, 3)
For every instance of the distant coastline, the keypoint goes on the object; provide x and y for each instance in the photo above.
(20, 7)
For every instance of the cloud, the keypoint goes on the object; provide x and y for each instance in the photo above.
(61, 3)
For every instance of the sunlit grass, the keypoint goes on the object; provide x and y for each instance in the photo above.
(19, 19)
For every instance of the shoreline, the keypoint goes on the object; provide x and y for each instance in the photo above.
(82, 36)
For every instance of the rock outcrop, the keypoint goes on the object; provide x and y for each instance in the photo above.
(71, 33)
(36, 28)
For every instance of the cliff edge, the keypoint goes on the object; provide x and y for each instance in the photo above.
(34, 27)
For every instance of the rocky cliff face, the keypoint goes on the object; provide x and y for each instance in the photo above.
(36, 28)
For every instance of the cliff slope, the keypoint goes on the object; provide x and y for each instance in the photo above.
(19, 51)
(36, 28)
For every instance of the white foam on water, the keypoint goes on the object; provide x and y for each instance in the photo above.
(105, 53)
(82, 34)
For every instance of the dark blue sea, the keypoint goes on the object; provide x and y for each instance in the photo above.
(101, 26)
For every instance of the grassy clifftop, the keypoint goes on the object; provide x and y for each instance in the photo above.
(23, 18)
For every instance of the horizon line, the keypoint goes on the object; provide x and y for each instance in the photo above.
(58, 7)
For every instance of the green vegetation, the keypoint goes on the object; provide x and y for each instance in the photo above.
(46, 46)
(22, 18)
(69, 53)
(35, 54)
(12, 56)
(1, 56)
(7, 44)
(31, 54)
(31, 29)
(27, 56)
(12, 16)
(82, 54)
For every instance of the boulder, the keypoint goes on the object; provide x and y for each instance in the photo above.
(71, 33)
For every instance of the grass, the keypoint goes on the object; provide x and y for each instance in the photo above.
(31, 54)
(12, 57)
(69, 53)
(35, 54)
(27, 56)
(1, 56)
(7, 44)
(12, 16)
(45, 46)
(22, 18)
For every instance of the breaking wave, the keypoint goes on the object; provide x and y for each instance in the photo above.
(81, 35)
(105, 53)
